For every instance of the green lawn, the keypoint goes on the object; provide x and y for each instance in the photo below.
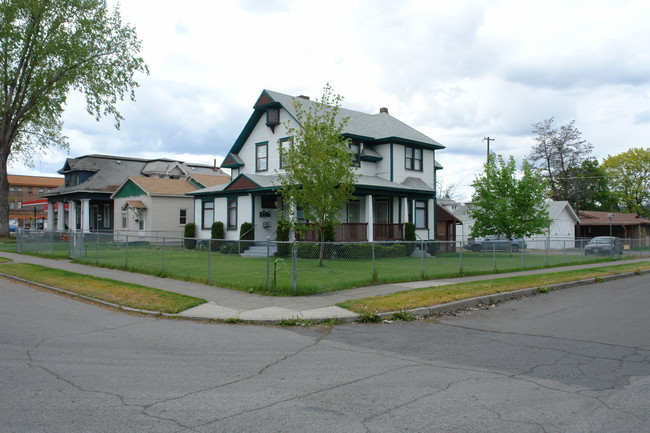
(250, 274)
(117, 292)
(429, 296)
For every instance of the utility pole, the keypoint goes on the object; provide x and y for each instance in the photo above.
(488, 139)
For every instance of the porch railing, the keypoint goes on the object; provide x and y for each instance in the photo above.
(352, 232)
(388, 232)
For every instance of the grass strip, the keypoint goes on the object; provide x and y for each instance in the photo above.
(429, 296)
(117, 292)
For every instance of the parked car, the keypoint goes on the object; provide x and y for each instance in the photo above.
(605, 245)
(498, 243)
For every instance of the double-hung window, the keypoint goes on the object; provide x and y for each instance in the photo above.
(207, 214)
(412, 158)
(262, 156)
(231, 222)
(421, 214)
(182, 216)
(283, 148)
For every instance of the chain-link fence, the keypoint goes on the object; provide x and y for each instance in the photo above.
(310, 267)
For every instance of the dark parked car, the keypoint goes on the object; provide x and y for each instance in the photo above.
(499, 243)
(605, 245)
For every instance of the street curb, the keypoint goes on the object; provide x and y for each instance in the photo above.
(506, 296)
(418, 312)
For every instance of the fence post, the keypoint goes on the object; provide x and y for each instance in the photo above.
(494, 257)
(163, 256)
(209, 260)
(97, 249)
(127, 251)
(460, 259)
(422, 259)
(268, 262)
(374, 272)
(294, 282)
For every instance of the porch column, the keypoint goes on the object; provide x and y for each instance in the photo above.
(405, 210)
(50, 217)
(370, 218)
(72, 216)
(60, 216)
(433, 230)
(85, 215)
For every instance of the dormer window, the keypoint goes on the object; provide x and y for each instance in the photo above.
(272, 116)
(355, 152)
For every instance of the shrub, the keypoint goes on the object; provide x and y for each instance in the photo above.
(189, 233)
(311, 250)
(409, 236)
(282, 236)
(409, 232)
(329, 233)
(217, 232)
(229, 247)
(246, 233)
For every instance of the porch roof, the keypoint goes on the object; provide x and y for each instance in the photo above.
(365, 184)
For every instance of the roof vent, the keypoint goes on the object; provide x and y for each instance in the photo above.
(304, 97)
(383, 110)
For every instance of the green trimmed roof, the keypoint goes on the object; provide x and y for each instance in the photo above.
(372, 128)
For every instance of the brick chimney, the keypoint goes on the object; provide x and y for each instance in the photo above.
(304, 97)
(383, 110)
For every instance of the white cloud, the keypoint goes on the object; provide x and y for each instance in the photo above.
(458, 71)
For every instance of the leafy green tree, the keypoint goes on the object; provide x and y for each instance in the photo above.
(591, 189)
(559, 152)
(318, 175)
(47, 48)
(507, 204)
(630, 175)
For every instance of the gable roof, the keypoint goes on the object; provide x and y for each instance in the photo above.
(157, 186)
(208, 180)
(109, 171)
(372, 128)
(555, 208)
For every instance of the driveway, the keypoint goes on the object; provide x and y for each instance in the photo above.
(571, 361)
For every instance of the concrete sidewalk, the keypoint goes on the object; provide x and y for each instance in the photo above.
(225, 303)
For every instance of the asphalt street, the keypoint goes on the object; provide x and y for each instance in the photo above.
(577, 360)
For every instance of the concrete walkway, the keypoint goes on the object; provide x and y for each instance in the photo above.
(225, 303)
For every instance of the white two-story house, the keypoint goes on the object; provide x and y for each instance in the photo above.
(396, 167)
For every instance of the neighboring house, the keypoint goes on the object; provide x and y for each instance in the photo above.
(152, 204)
(460, 211)
(25, 208)
(562, 228)
(91, 180)
(562, 231)
(622, 225)
(396, 170)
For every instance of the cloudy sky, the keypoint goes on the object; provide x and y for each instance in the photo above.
(457, 71)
